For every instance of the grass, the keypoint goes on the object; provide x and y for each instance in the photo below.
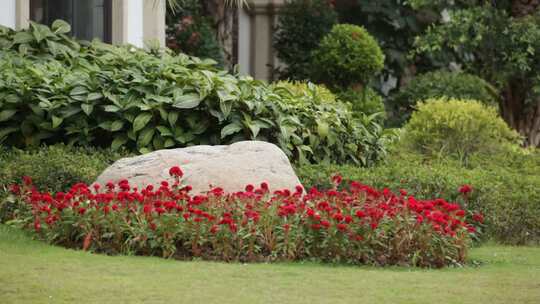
(34, 272)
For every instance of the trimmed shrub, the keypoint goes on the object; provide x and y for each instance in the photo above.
(358, 226)
(505, 187)
(54, 89)
(366, 101)
(346, 56)
(439, 84)
(457, 127)
(54, 168)
(301, 25)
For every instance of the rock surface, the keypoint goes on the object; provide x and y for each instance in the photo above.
(230, 167)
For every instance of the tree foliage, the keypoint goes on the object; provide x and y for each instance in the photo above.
(301, 25)
(502, 45)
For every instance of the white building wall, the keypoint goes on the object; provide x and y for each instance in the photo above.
(244, 42)
(135, 34)
(8, 15)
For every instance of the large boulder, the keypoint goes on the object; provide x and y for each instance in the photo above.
(229, 167)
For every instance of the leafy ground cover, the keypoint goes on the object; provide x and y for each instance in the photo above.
(33, 272)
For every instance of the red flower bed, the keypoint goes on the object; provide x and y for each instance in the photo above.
(360, 225)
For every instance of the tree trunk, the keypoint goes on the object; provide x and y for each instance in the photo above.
(522, 117)
(223, 16)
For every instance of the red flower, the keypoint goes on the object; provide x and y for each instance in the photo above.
(82, 211)
(460, 213)
(465, 189)
(15, 189)
(176, 172)
(27, 180)
(37, 225)
(250, 188)
(471, 228)
(477, 217)
(337, 179)
(360, 214)
(342, 227)
(286, 227)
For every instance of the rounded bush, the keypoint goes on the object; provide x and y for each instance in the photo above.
(442, 84)
(347, 55)
(457, 127)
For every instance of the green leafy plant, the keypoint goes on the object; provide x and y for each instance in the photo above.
(440, 84)
(347, 56)
(301, 25)
(110, 96)
(457, 127)
(504, 186)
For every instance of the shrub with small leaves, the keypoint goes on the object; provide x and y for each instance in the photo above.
(346, 56)
(457, 127)
(441, 84)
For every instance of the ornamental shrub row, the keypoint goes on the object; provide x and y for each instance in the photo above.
(54, 89)
(505, 186)
(360, 225)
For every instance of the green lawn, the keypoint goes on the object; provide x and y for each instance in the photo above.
(33, 272)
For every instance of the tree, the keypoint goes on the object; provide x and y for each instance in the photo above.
(498, 41)
(222, 13)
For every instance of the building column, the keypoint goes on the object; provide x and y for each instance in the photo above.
(154, 22)
(256, 54)
(22, 11)
(127, 22)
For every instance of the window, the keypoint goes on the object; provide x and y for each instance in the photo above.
(89, 19)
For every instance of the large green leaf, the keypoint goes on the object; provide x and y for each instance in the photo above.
(60, 27)
(145, 137)
(187, 101)
(141, 121)
(56, 121)
(7, 114)
(117, 125)
(23, 37)
(87, 108)
(118, 142)
(231, 129)
(40, 31)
